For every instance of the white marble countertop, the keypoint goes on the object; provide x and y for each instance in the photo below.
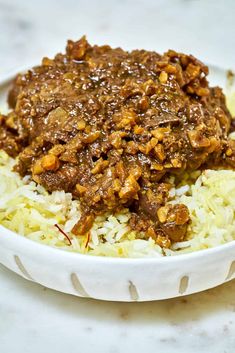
(35, 319)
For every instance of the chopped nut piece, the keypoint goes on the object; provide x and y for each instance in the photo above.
(80, 189)
(168, 165)
(96, 198)
(91, 137)
(143, 103)
(182, 214)
(202, 91)
(100, 165)
(229, 152)
(37, 168)
(47, 62)
(115, 139)
(197, 139)
(128, 120)
(130, 188)
(84, 224)
(163, 241)
(162, 213)
(57, 116)
(150, 87)
(50, 162)
(176, 163)
(160, 132)
(120, 171)
(163, 77)
(214, 144)
(170, 69)
(132, 147)
(117, 184)
(149, 146)
(193, 71)
(81, 125)
(57, 150)
(156, 166)
(151, 232)
(159, 152)
(78, 49)
(69, 76)
(138, 130)
(11, 121)
(136, 171)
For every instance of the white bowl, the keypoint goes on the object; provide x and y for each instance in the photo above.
(117, 279)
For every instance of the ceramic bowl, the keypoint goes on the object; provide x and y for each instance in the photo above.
(117, 279)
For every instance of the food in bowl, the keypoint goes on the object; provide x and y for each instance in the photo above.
(115, 153)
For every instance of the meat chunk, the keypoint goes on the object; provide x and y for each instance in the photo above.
(109, 125)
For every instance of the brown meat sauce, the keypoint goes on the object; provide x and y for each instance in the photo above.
(109, 126)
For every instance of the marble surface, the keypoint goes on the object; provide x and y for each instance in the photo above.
(36, 319)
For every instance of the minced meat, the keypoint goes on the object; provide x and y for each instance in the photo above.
(109, 126)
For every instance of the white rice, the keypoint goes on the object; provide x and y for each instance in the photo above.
(210, 201)
(29, 210)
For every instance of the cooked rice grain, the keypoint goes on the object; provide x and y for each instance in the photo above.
(29, 210)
